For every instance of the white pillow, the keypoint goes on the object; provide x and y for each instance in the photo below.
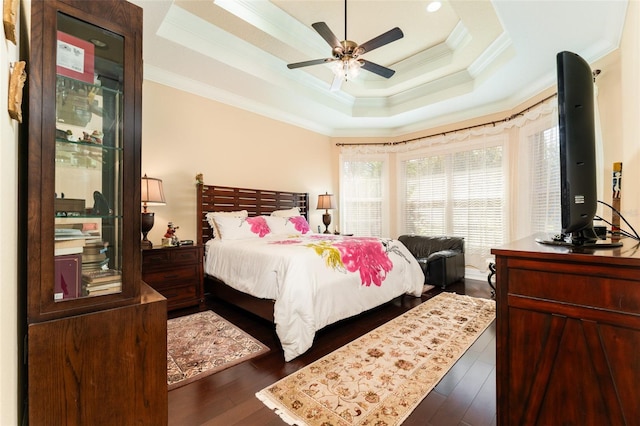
(294, 211)
(238, 228)
(287, 225)
(211, 215)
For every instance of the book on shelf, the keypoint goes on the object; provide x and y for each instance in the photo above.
(67, 277)
(79, 225)
(89, 258)
(101, 276)
(63, 251)
(100, 288)
(95, 266)
(98, 292)
(75, 242)
(90, 227)
(70, 241)
(95, 248)
(67, 245)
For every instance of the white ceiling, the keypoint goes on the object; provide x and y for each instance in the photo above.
(470, 58)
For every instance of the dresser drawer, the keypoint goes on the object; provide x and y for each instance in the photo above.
(185, 256)
(175, 256)
(592, 290)
(167, 277)
(177, 295)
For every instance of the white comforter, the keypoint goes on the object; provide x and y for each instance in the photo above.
(315, 280)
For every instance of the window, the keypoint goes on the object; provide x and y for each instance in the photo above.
(488, 184)
(425, 192)
(363, 196)
(545, 181)
(459, 192)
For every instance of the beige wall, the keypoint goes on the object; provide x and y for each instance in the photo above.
(9, 327)
(184, 134)
(629, 121)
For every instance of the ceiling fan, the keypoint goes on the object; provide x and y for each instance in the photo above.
(346, 54)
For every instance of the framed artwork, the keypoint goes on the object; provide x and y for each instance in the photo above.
(75, 58)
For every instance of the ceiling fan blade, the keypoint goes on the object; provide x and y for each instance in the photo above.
(337, 83)
(386, 38)
(308, 63)
(326, 34)
(376, 69)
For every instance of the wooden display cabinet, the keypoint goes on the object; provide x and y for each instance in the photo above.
(87, 311)
(84, 150)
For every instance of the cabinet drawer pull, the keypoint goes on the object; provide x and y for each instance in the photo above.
(172, 276)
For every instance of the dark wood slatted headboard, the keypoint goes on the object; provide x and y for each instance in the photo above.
(212, 198)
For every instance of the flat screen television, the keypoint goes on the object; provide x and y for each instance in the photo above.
(578, 166)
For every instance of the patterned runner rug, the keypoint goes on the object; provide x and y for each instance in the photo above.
(380, 378)
(204, 343)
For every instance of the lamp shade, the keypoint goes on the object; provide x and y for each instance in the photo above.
(326, 202)
(151, 193)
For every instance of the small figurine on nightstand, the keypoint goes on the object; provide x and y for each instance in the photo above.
(171, 234)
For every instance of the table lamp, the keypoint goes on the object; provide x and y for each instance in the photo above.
(151, 194)
(326, 203)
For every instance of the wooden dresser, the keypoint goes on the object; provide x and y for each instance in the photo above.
(176, 273)
(568, 334)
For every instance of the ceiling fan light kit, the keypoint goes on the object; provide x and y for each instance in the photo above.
(347, 68)
(345, 54)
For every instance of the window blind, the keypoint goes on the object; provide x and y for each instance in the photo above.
(458, 193)
(362, 196)
(545, 181)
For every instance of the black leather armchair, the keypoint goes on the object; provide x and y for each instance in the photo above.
(441, 257)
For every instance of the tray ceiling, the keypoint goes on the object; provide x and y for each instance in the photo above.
(469, 58)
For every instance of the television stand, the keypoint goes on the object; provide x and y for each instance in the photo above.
(567, 335)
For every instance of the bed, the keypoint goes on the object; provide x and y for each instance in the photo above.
(267, 261)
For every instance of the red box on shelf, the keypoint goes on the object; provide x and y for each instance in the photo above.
(68, 273)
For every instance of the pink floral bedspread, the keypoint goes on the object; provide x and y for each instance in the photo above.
(367, 256)
(315, 279)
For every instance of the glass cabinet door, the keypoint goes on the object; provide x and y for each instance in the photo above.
(88, 195)
(81, 186)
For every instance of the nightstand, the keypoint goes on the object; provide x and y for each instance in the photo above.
(176, 273)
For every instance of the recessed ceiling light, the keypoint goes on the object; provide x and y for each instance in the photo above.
(434, 6)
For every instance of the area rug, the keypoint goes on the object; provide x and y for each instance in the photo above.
(204, 343)
(380, 378)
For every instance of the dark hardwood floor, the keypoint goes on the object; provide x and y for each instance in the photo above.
(465, 396)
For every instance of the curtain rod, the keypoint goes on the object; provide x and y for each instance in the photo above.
(504, 120)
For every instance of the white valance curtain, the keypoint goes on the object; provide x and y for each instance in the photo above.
(543, 109)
